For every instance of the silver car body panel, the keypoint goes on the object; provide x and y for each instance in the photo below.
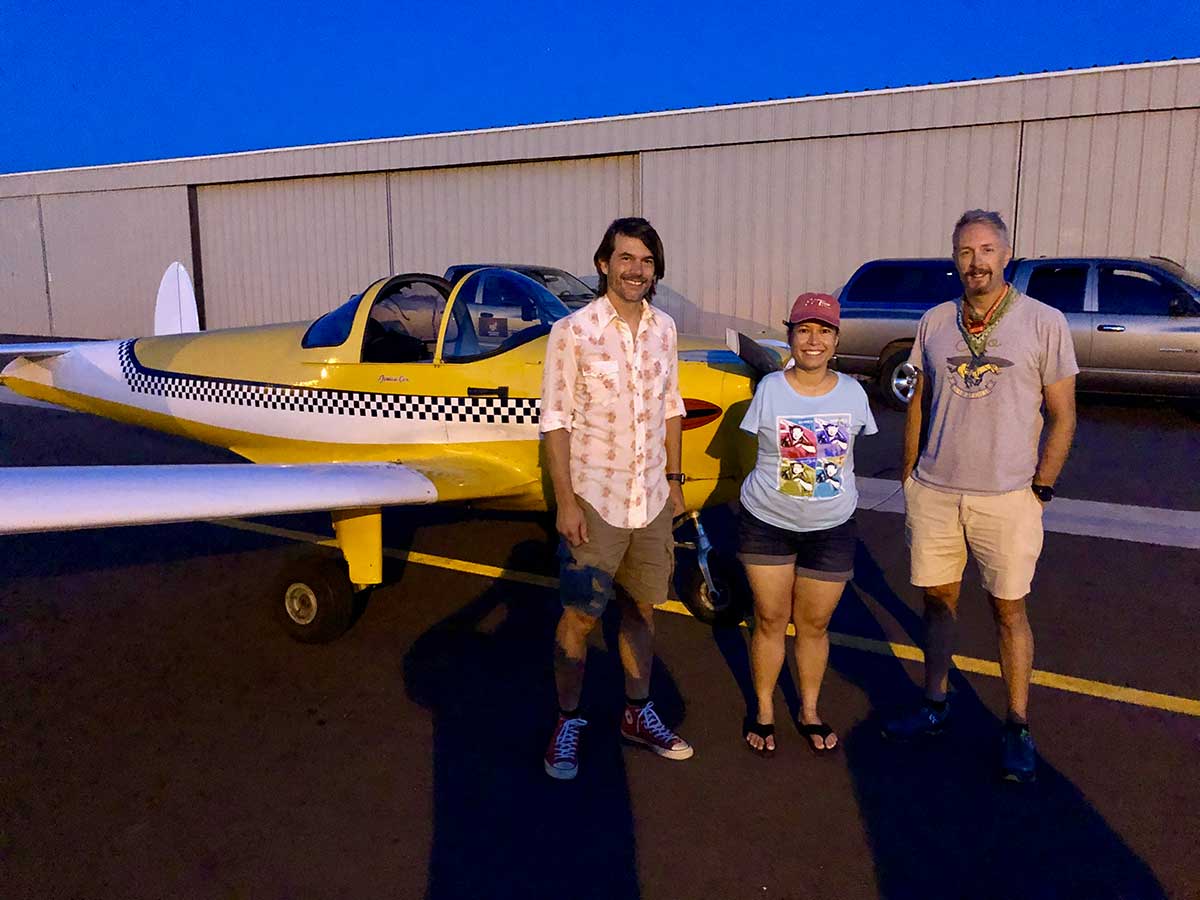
(1119, 352)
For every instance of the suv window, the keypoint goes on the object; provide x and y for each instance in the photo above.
(1060, 286)
(908, 282)
(1133, 292)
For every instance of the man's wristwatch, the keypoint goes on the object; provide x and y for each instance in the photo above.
(677, 476)
(1043, 492)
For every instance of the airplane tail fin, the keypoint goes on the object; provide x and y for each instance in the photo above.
(175, 309)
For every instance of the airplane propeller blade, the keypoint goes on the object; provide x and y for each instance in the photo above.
(761, 359)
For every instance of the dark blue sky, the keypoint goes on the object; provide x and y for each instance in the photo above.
(102, 82)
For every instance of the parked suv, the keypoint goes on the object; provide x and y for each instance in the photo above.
(1135, 322)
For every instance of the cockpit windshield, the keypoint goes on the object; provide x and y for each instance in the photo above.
(496, 310)
(332, 329)
(404, 320)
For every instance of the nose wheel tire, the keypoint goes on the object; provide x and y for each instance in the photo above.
(313, 599)
(897, 380)
(717, 606)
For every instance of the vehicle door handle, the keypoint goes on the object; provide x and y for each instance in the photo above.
(501, 392)
(1111, 328)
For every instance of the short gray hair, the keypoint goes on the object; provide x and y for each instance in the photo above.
(981, 216)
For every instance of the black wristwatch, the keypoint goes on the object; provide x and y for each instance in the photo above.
(677, 476)
(1043, 492)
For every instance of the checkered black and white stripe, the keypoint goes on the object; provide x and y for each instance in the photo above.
(484, 410)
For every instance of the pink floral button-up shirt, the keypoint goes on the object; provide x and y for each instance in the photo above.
(614, 391)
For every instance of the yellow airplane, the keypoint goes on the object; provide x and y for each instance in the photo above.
(412, 392)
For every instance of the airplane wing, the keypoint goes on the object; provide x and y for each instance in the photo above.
(42, 349)
(463, 475)
(59, 498)
(63, 498)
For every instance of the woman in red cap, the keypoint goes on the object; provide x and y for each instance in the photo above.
(796, 531)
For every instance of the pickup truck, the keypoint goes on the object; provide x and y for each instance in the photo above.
(1135, 322)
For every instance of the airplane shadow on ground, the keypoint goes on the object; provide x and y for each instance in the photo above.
(502, 828)
(940, 822)
(61, 553)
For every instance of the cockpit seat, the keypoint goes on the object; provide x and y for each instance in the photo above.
(385, 345)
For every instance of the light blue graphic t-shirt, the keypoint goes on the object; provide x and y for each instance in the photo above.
(804, 477)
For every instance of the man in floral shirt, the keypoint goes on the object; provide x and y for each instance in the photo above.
(611, 420)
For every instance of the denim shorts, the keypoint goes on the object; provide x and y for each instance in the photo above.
(825, 555)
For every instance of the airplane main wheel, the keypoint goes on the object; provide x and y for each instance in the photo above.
(314, 599)
(721, 606)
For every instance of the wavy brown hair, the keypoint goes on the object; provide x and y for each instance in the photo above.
(633, 227)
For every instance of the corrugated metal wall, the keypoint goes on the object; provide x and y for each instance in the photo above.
(281, 251)
(755, 202)
(747, 228)
(1104, 91)
(550, 213)
(106, 253)
(24, 308)
(1126, 184)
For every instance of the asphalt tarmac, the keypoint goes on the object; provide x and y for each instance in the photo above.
(161, 737)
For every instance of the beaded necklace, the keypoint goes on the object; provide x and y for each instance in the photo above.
(977, 337)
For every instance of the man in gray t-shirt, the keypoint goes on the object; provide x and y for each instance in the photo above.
(989, 362)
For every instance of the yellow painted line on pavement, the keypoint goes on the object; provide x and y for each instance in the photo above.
(1068, 683)
(458, 565)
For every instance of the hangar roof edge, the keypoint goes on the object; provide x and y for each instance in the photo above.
(623, 117)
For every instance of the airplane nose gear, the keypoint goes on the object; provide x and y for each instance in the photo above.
(313, 598)
(706, 587)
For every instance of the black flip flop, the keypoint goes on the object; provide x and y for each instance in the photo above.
(821, 730)
(749, 727)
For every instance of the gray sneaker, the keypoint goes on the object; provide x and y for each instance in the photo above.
(921, 722)
(1018, 755)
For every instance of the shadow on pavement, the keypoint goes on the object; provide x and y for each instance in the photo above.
(502, 828)
(940, 822)
(57, 554)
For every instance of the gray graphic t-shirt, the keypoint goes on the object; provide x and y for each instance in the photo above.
(986, 416)
(804, 477)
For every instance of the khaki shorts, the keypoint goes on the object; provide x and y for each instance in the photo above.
(1003, 532)
(638, 560)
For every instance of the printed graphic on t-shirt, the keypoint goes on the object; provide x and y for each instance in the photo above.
(973, 377)
(812, 452)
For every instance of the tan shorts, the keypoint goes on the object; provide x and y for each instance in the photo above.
(1003, 532)
(638, 560)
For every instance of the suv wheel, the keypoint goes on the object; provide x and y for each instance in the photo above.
(897, 380)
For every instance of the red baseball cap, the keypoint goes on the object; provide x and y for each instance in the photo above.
(815, 307)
